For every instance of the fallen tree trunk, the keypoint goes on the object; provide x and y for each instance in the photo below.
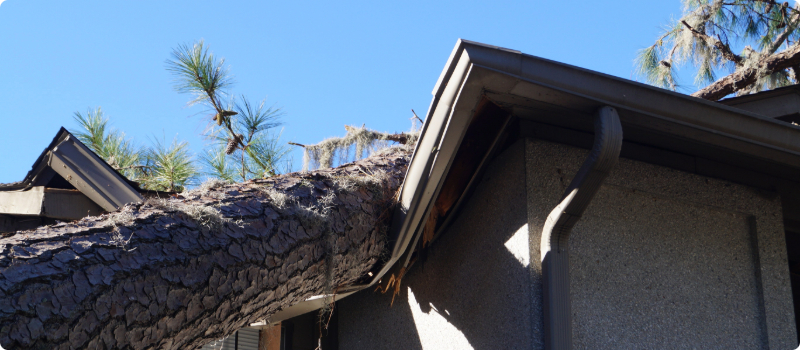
(178, 273)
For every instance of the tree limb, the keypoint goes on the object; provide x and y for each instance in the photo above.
(177, 273)
(790, 27)
(745, 77)
(722, 47)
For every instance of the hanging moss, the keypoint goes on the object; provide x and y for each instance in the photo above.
(357, 140)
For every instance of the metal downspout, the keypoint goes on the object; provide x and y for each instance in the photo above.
(555, 235)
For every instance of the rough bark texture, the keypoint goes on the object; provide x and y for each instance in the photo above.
(177, 273)
(745, 77)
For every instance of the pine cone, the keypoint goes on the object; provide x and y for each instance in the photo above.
(232, 143)
(219, 117)
(231, 146)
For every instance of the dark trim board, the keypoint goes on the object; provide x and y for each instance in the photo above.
(67, 181)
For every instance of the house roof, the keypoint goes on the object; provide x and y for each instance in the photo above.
(781, 103)
(11, 185)
(553, 100)
(487, 94)
(68, 163)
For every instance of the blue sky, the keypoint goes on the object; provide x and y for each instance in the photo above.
(326, 64)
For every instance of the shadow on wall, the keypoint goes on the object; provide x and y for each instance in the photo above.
(474, 289)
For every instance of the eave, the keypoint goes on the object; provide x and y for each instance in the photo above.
(552, 100)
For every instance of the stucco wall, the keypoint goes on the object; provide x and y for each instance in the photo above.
(661, 259)
(667, 259)
(473, 291)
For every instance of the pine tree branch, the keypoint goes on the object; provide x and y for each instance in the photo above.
(771, 2)
(746, 77)
(790, 27)
(711, 41)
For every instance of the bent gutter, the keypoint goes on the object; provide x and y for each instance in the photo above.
(555, 235)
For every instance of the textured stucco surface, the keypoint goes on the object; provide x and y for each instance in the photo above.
(664, 258)
(473, 291)
(661, 259)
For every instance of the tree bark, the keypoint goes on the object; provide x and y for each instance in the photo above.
(178, 273)
(745, 77)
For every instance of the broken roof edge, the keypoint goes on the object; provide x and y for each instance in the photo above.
(104, 194)
(60, 136)
(428, 169)
(453, 104)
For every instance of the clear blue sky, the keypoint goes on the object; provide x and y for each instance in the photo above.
(326, 64)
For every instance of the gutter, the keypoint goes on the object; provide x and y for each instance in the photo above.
(555, 235)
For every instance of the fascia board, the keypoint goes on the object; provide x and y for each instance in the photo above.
(418, 189)
(89, 174)
(571, 104)
(33, 175)
(764, 95)
(306, 306)
(626, 94)
(774, 106)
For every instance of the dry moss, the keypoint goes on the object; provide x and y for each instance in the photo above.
(358, 141)
(207, 216)
(210, 184)
(117, 219)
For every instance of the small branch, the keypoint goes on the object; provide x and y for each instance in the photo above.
(297, 144)
(722, 47)
(790, 26)
(771, 2)
(415, 116)
(399, 138)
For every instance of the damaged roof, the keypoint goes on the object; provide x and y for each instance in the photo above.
(487, 95)
(68, 164)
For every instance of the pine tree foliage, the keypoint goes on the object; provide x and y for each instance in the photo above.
(245, 146)
(109, 144)
(725, 37)
(171, 167)
(161, 167)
